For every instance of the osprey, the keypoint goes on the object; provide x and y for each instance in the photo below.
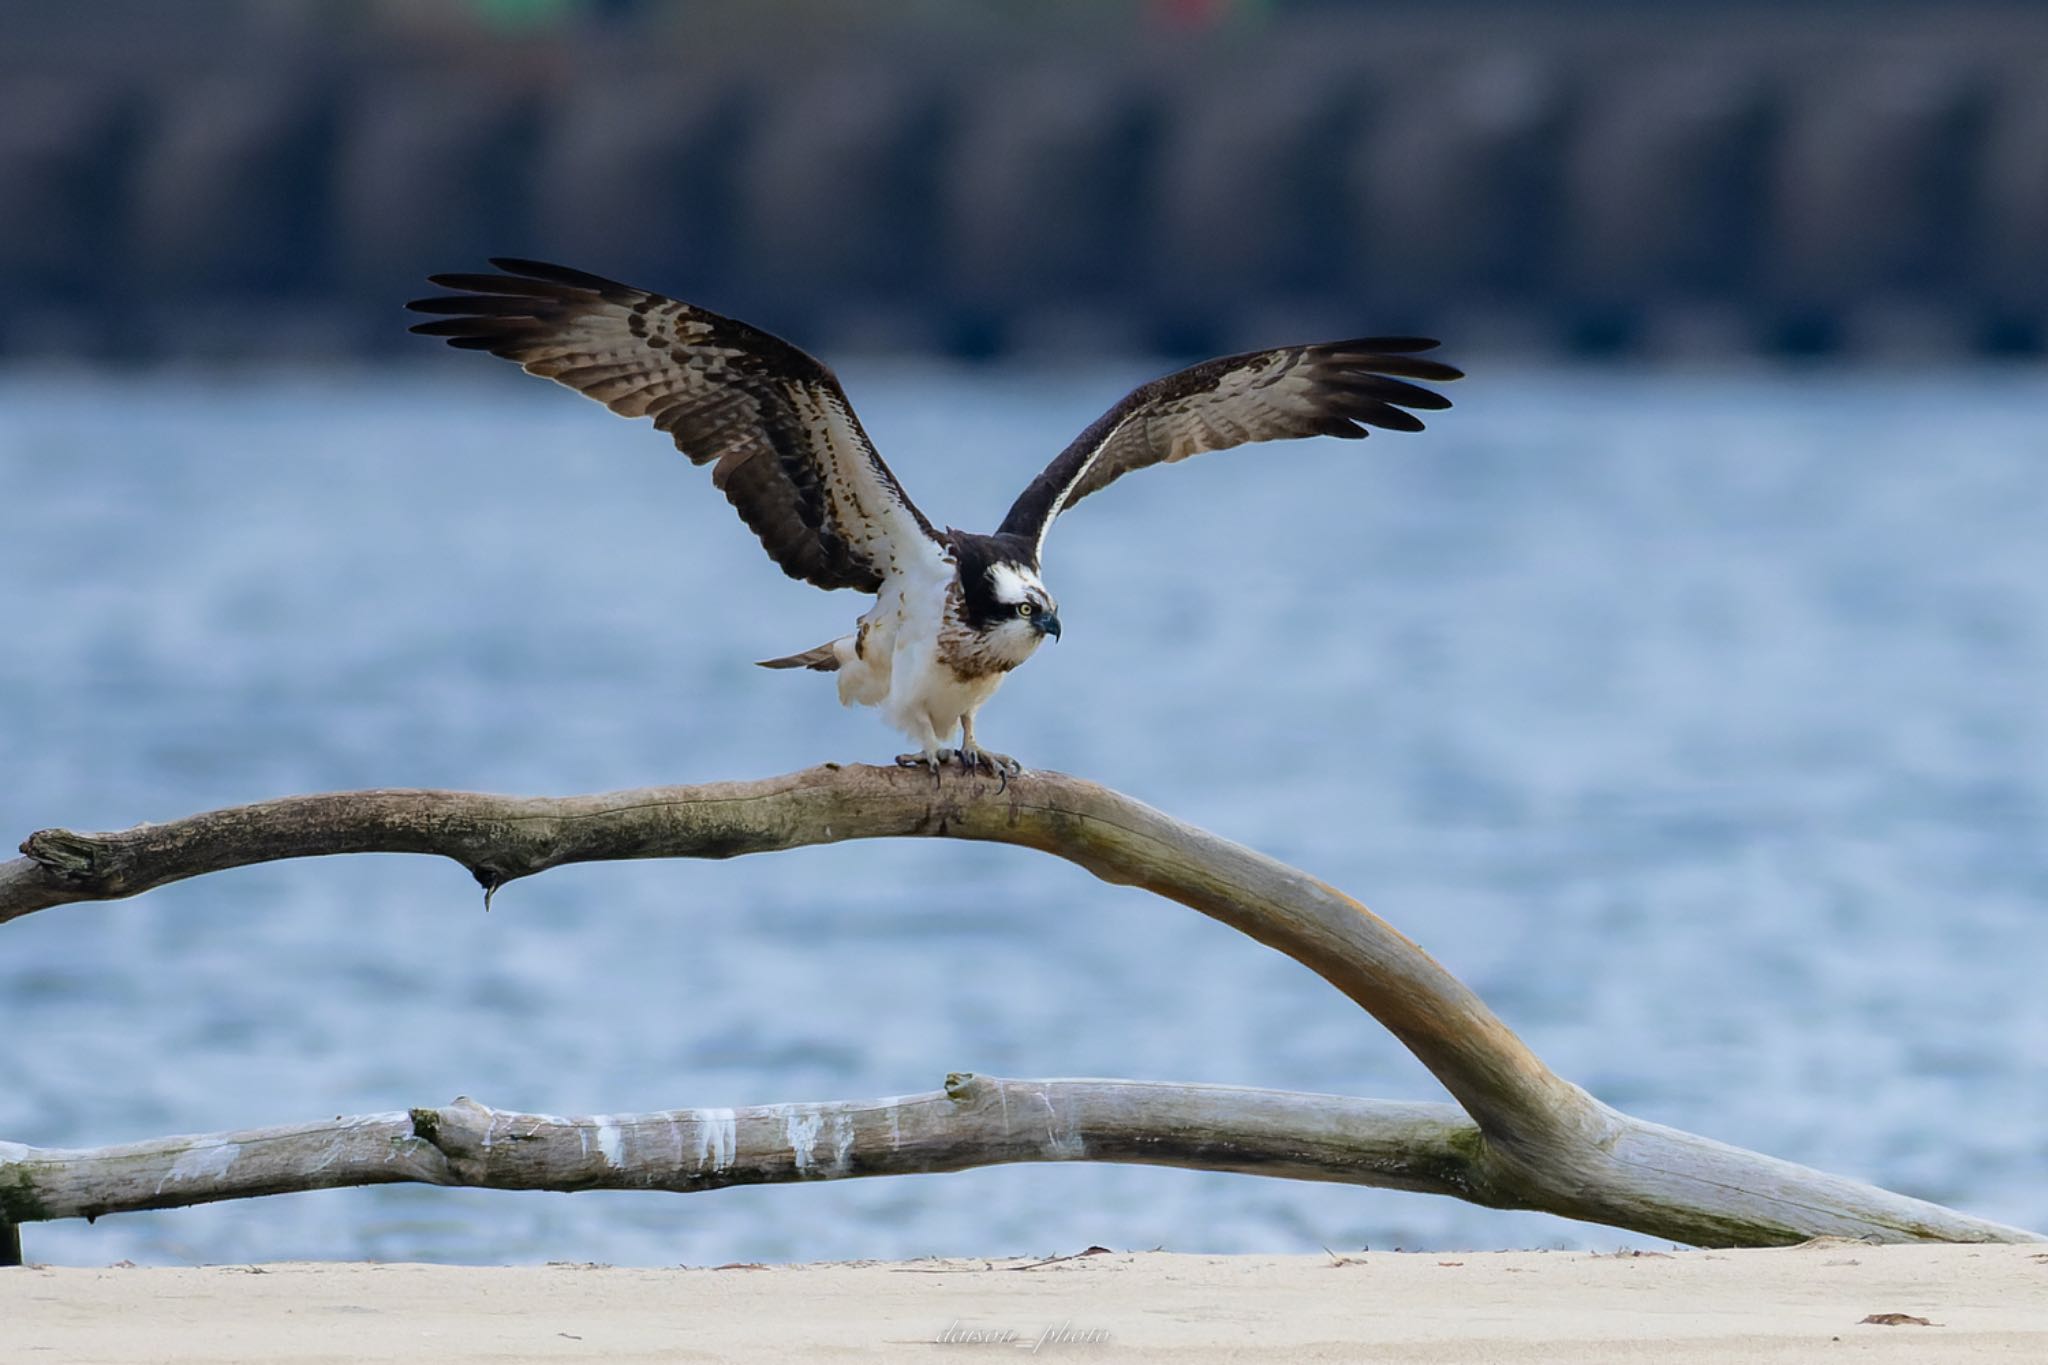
(954, 612)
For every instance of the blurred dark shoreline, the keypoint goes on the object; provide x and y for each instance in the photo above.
(1705, 181)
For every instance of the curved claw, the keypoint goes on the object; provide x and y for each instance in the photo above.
(999, 766)
(936, 762)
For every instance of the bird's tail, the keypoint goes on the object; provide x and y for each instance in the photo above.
(823, 659)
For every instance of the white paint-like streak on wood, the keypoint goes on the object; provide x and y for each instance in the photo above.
(842, 1144)
(208, 1161)
(1062, 1143)
(609, 1144)
(801, 1127)
(717, 1140)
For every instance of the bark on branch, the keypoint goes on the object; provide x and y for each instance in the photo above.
(1536, 1140)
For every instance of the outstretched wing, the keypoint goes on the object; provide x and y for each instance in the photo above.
(772, 422)
(1333, 388)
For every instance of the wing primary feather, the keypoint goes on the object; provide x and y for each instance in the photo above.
(1390, 390)
(495, 304)
(1377, 414)
(1408, 367)
(473, 327)
(1379, 345)
(562, 274)
(498, 284)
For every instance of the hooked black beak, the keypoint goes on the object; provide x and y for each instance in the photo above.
(1049, 624)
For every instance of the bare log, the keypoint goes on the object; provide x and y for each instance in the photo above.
(974, 1121)
(1537, 1142)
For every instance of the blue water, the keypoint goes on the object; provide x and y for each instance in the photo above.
(1697, 722)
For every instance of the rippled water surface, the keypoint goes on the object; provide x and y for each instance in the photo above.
(1701, 724)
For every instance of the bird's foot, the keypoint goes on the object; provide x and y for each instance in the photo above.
(936, 760)
(980, 760)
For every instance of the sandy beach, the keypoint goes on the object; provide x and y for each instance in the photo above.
(1798, 1304)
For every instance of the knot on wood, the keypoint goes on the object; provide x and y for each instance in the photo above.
(74, 857)
(464, 1133)
(965, 1087)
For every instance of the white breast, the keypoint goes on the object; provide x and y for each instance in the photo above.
(908, 606)
(926, 698)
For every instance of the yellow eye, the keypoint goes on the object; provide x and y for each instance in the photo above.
(1024, 608)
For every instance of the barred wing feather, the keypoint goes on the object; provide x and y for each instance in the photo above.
(780, 436)
(1336, 388)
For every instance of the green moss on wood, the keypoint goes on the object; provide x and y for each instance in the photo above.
(20, 1201)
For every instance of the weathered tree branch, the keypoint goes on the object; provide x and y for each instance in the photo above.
(500, 839)
(1537, 1142)
(974, 1121)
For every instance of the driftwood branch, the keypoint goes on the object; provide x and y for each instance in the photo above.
(1534, 1140)
(974, 1121)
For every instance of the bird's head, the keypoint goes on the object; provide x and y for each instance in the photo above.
(1020, 600)
(1005, 600)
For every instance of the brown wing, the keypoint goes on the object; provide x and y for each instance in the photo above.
(772, 422)
(1333, 388)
